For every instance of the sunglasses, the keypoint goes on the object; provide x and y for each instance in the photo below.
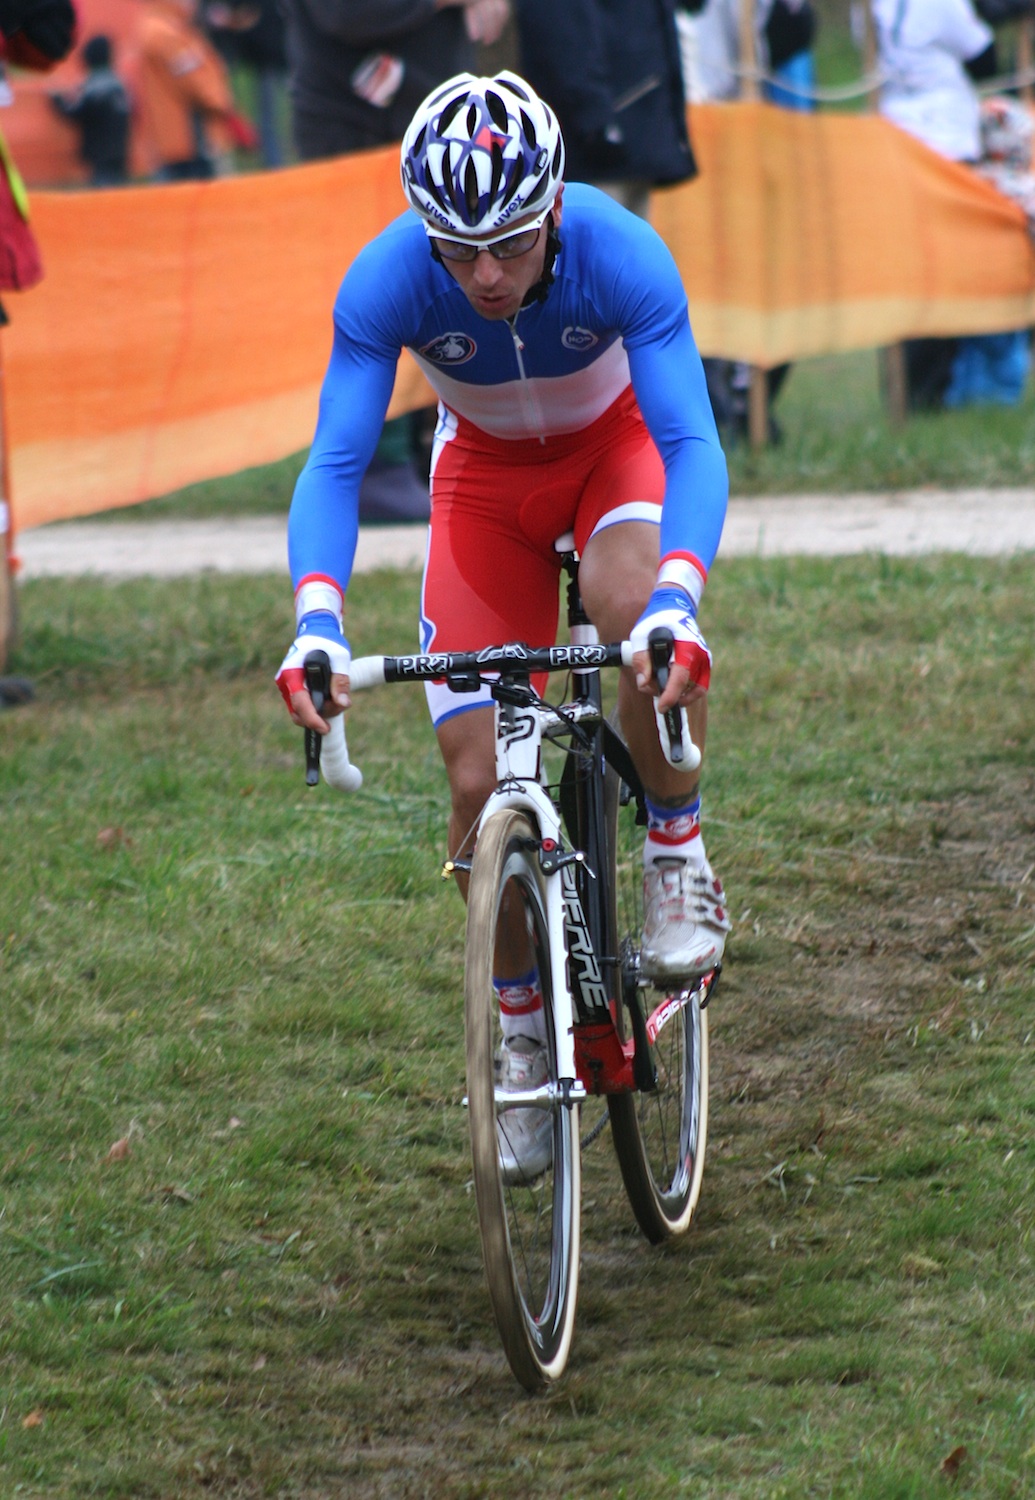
(502, 247)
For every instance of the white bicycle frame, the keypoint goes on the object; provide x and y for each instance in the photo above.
(519, 734)
(520, 785)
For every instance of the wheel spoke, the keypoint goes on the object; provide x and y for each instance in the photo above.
(659, 1136)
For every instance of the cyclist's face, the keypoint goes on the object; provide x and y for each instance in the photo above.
(497, 288)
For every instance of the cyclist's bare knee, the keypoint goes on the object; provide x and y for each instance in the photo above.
(616, 575)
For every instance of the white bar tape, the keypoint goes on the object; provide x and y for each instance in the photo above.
(691, 755)
(338, 770)
(366, 672)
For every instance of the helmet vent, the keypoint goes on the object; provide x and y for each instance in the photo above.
(497, 110)
(450, 113)
(528, 126)
(497, 172)
(471, 192)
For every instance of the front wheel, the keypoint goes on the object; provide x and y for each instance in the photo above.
(529, 1220)
(659, 1135)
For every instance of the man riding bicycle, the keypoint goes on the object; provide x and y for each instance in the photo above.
(553, 326)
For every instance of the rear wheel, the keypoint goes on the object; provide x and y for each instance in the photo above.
(659, 1135)
(529, 1227)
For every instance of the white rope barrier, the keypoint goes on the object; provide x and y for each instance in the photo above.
(869, 84)
(819, 94)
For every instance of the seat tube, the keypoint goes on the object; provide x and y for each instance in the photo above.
(590, 786)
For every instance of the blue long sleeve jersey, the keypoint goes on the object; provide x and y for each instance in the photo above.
(616, 312)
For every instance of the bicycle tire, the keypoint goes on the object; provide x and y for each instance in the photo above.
(659, 1136)
(529, 1231)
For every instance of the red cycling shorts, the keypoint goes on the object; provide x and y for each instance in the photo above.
(497, 508)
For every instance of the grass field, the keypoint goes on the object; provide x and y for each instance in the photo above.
(238, 1253)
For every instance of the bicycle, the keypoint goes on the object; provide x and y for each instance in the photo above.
(556, 888)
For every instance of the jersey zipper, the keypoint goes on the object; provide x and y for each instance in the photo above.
(533, 413)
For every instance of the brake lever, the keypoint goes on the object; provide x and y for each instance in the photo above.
(318, 682)
(659, 644)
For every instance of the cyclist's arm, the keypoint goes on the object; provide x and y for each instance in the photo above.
(670, 387)
(649, 309)
(668, 379)
(323, 521)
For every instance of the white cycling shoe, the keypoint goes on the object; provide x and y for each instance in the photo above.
(685, 920)
(525, 1136)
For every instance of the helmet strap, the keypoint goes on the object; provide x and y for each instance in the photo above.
(537, 293)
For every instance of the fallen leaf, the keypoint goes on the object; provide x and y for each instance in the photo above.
(950, 1466)
(181, 1195)
(235, 1123)
(113, 838)
(34, 1419)
(119, 1151)
(260, 1363)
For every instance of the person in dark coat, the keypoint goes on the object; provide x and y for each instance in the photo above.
(249, 35)
(611, 71)
(101, 110)
(359, 68)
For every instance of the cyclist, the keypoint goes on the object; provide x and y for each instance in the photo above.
(553, 326)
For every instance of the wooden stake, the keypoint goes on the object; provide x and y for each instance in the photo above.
(7, 614)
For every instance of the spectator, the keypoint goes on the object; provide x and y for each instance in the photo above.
(932, 53)
(251, 36)
(358, 70)
(101, 110)
(711, 40)
(34, 34)
(185, 93)
(993, 367)
(784, 35)
(622, 107)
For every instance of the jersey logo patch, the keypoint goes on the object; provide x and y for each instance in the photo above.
(578, 338)
(450, 349)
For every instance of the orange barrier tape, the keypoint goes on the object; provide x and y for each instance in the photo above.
(816, 233)
(181, 332)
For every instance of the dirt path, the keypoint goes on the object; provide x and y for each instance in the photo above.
(903, 523)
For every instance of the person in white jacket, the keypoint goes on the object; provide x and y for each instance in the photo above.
(932, 52)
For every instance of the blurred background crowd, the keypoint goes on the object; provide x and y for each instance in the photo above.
(115, 92)
(168, 90)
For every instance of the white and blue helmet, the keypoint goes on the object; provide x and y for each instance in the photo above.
(480, 153)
